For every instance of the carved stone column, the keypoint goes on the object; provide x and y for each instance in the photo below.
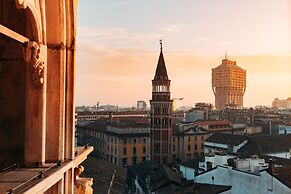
(35, 57)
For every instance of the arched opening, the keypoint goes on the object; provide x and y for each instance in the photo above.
(13, 73)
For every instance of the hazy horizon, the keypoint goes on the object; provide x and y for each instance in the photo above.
(117, 50)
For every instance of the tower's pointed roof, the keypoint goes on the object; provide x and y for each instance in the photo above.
(161, 70)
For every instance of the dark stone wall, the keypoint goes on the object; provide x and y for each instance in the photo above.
(12, 87)
(12, 103)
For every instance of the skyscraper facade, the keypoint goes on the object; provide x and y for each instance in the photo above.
(228, 84)
(161, 115)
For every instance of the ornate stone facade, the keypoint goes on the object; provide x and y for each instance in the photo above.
(37, 94)
(35, 57)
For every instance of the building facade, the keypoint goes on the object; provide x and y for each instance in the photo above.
(228, 84)
(141, 105)
(188, 137)
(124, 143)
(282, 104)
(161, 115)
(83, 117)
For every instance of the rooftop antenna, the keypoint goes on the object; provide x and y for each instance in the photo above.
(225, 55)
(161, 43)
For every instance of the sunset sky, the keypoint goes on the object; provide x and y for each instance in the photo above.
(118, 48)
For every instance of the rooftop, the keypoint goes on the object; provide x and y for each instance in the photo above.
(267, 144)
(101, 171)
(191, 163)
(226, 138)
(165, 180)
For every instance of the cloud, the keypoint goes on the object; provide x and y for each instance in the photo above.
(223, 42)
(113, 36)
(123, 74)
(200, 39)
(211, 42)
(102, 34)
(173, 28)
(127, 61)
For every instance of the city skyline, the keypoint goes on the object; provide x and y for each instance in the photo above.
(116, 56)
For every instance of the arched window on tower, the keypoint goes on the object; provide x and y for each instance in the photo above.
(161, 88)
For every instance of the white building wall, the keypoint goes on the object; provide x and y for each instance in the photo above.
(188, 173)
(242, 182)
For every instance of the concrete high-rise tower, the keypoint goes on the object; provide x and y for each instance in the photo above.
(228, 84)
(161, 115)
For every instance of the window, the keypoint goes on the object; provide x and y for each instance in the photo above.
(124, 162)
(144, 150)
(174, 157)
(134, 159)
(174, 139)
(195, 147)
(144, 140)
(158, 110)
(165, 160)
(124, 141)
(202, 137)
(174, 148)
(134, 141)
(189, 139)
(157, 147)
(188, 156)
(189, 147)
(134, 150)
(124, 151)
(195, 155)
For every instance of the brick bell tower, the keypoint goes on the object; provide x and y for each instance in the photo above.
(161, 114)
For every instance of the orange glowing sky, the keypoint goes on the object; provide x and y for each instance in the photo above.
(118, 48)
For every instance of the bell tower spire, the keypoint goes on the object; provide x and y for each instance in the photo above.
(161, 114)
